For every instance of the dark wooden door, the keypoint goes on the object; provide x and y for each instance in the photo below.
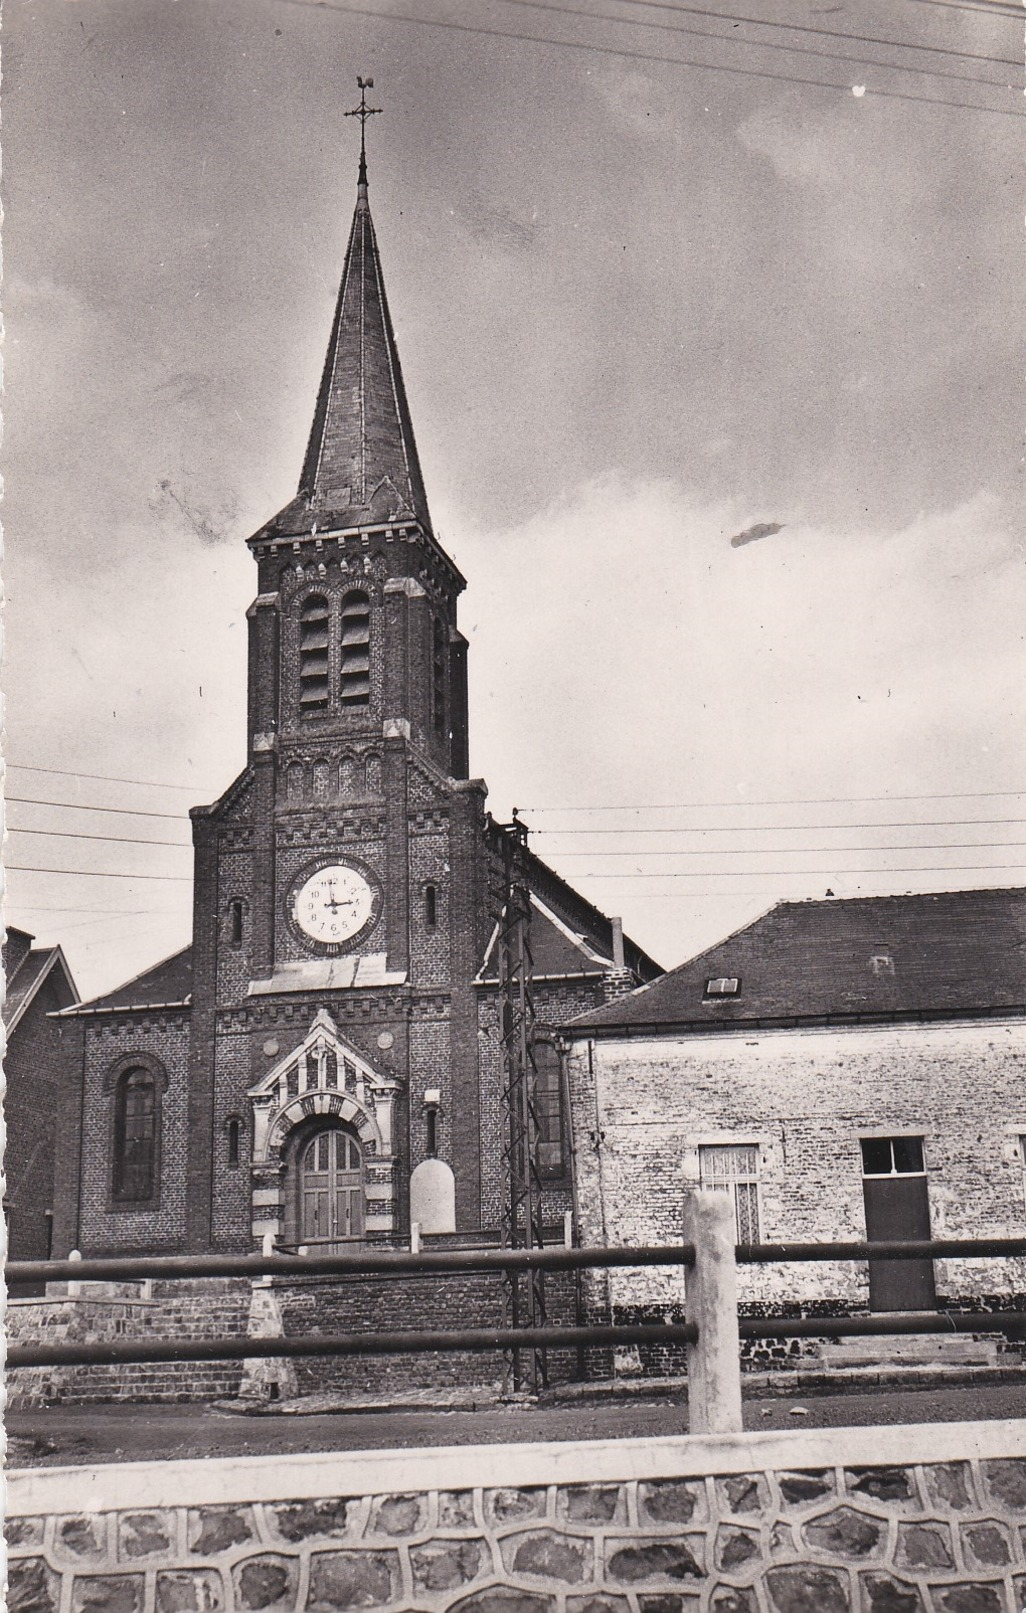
(331, 1188)
(897, 1207)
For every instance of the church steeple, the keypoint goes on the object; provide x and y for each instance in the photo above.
(361, 465)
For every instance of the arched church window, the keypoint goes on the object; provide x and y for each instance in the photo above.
(355, 667)
(430, 906)
(548, 1108)
(321, 779)
(331, 1190)
(233, 1134)
(438, 656)
(236, 910)
(313, 653)
(135, 1136)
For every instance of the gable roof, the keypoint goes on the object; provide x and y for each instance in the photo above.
(167, 985)
(34, 970)
(569, 936)
(948, 952)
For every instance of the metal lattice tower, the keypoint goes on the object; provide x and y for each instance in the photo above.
(523, 1292)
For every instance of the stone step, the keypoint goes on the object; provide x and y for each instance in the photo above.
(942, 1348)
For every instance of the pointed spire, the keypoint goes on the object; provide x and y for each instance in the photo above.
(361, 464)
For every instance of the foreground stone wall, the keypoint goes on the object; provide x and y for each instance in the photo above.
(780, 1523)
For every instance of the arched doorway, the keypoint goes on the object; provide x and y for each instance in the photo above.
(331, 1195)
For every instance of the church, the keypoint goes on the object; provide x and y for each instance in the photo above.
(324, 1061)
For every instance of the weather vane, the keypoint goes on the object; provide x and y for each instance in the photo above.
(363, 112)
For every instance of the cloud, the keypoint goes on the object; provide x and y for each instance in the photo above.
(498, 226)
(621, 656)
(752, 534)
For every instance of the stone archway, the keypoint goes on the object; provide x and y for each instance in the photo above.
(322, 1084)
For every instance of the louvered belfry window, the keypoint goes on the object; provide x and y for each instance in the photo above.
(313, 654)
(734, 1169)
(354, 687)
(135, 1136)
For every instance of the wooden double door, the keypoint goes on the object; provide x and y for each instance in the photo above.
(331, 1189)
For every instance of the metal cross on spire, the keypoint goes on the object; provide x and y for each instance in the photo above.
(363, 112)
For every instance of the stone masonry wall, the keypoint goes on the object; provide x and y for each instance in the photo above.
(924, 1537)
(642, 1109)
(217, 1309)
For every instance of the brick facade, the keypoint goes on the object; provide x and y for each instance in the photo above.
(357, 763)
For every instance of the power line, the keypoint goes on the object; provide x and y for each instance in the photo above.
(93, 873)
(79, 806)
(793, 828)
(119, 840)
(770, 44)
(797, 800)
(789, 873)
(798, 851)
(643, 56)
(106, 778)
(111, 912)
(986, 8)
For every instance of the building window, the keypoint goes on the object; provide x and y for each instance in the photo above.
(234, 1134)
(892, 1156)
(734, 1168)
(723, 986)
(235, 912)
(430, 906)
(438, 656)
(135, 1136)
(313, 654)
(354, 686)
(548, 1109)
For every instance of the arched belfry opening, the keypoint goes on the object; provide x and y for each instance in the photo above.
(323, 1164)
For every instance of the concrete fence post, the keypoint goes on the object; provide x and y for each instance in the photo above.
(266, 1248)
(414, 1237)
(75, 1288)
(714, 1362)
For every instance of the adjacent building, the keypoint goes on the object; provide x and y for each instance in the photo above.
(844, 1069)
(36, 1069)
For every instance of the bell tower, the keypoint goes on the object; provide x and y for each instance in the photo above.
(344, 871)
(356, 662)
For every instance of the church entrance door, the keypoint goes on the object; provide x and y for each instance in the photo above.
(331, 1188)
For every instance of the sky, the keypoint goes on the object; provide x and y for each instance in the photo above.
(644, 308)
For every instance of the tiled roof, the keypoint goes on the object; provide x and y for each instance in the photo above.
(361, 465)
(874, 956)
(167, 982)
(568, 935)
(29, 976)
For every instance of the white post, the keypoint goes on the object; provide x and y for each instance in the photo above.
(75, 1289)
(266, 1248)
(714, 1362)
(568, 1229)
(414, 1237)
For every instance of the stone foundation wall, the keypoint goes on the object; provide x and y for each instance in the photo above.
(218, 1308)
(933, 1522)
(388, 1304)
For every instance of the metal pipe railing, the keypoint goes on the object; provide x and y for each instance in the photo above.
(368, 1263)
(119, 1352)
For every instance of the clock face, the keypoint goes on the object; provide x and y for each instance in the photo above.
(334, 904)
